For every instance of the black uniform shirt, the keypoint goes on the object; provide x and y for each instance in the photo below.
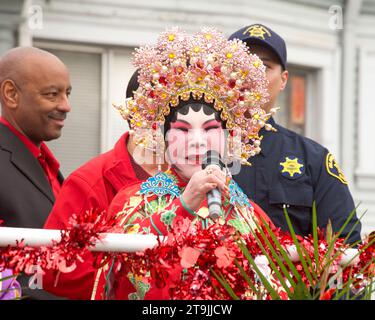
(294, 171)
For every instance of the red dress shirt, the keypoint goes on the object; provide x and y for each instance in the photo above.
(45, 157)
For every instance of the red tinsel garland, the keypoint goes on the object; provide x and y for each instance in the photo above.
(82, 233)
(183, 266)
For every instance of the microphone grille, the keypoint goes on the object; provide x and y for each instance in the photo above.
(212, 157)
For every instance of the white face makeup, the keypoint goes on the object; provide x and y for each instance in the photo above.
(189, 138)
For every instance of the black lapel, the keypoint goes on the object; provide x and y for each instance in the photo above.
(60, 177)
(25, 162)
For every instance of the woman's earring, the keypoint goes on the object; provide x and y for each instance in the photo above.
(158, 144)
(232, 144)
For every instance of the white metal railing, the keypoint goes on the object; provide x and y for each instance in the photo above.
(116, 242)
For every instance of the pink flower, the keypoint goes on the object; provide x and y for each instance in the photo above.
(189, 256)
(224, 257)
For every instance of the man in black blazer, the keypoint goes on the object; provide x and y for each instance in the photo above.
(34, 90)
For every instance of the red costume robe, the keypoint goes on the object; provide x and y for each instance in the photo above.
(142, 213)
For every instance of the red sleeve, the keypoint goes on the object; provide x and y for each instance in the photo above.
(76, 196)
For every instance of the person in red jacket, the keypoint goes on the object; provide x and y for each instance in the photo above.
(93, 186)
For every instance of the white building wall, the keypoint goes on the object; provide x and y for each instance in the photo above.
(120, 71)
(364, 162)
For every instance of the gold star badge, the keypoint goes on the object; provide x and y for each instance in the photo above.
(257, 31)
(291, 167)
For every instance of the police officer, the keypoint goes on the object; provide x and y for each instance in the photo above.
(292, 171)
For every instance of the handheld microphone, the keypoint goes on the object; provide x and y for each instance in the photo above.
(212, 158)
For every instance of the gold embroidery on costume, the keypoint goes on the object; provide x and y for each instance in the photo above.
(96, 283)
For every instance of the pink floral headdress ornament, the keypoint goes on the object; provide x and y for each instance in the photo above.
(206, 65)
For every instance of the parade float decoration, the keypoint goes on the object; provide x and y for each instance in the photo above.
(213, 263)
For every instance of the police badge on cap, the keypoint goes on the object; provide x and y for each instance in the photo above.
(264, 36)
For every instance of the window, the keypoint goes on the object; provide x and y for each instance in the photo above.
(293, 101)
(80, 139)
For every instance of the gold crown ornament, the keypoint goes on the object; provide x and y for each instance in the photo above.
(205, 66)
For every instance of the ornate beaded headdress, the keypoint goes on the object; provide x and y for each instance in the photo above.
(205, 66)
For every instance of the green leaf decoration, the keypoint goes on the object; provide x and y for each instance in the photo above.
(242, 227)
(274, 295)
(315, 267)
(225, 284)
(299, 248)
(300, 292)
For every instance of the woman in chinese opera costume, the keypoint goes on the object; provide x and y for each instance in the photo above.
(196, 93)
